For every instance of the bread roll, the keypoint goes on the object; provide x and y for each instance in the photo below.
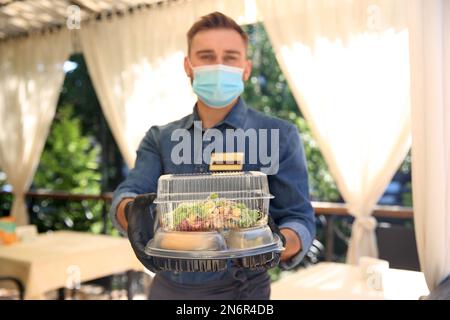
(189, 241)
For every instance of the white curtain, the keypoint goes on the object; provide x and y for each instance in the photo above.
(430, 88)
(31, 75)
(347, 63)
(136, 64)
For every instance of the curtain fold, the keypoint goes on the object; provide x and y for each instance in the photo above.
(31, 76)
(347, 64)
(429, 24)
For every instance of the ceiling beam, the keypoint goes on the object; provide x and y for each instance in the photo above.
(4, 3)
(88, 6)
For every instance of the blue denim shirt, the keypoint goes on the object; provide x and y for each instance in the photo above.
(290, 207)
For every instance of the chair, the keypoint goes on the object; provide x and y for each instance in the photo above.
(441, 292)
(397, 244)
(17, 283)
(24, 233)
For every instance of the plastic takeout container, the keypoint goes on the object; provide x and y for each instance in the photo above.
(207, 222)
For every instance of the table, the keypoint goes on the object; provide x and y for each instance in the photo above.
(57, 259)
(334, 281)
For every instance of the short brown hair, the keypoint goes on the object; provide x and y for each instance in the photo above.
(215, 20)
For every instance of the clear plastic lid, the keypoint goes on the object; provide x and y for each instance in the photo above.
(219, 182)
(213, 201)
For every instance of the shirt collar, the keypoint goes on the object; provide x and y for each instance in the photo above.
(235, 118)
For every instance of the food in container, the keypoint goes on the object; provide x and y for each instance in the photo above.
(182, 240)
(249, 238)
(214, 213)
(208, 220)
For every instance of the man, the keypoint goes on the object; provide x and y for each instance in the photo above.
(217, 66)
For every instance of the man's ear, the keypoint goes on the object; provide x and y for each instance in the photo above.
(187, 67)
(247, 69)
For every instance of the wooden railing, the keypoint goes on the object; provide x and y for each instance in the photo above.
(320, 208)
(341, 209)
(332, 210)
(63, 195)
(68, 196)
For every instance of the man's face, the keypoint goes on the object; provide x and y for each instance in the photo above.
(218, 46)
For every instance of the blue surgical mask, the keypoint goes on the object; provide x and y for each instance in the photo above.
(217, 85)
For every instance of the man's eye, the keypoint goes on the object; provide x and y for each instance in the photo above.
(206, 57)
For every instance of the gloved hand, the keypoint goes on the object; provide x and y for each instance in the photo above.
(276, 230)
(140, 215)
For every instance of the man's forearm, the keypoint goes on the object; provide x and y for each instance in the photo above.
(120, 213)
(293, 244)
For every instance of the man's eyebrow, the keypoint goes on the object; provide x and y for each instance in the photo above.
(204, 51)
(230, 51)
(233, 52)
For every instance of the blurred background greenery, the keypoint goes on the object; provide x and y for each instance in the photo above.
(70, 162)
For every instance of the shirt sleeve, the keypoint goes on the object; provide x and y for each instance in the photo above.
(291, 207)
(143, 178)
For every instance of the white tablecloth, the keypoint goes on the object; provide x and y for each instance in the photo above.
(327, 280)
(47, 262)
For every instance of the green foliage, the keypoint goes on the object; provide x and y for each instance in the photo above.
(405, 168)
(268, 91)
(321, 183)
(78, 91)
(5, 199)
(70, 160)
(69, 163)
(275, 273)
(407, 199)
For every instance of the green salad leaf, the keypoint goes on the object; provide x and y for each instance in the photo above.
(212, 213)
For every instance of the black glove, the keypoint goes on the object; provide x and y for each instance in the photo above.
(140, 215)
(276, 230)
